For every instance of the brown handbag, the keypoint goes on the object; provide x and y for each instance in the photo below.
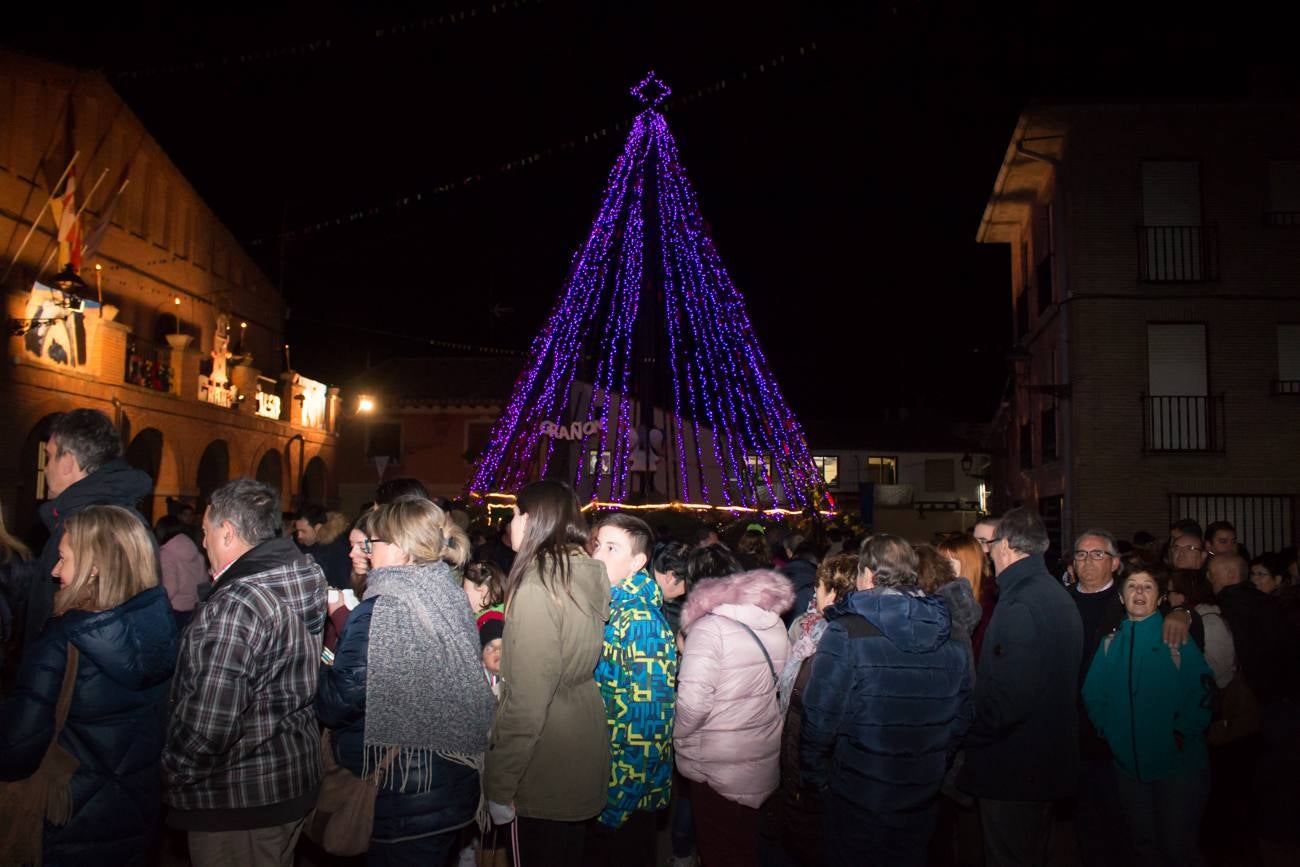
(44, 796)
(1236, 713)
(344, 816)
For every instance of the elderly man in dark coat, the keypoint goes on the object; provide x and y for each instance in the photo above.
(1022, 752)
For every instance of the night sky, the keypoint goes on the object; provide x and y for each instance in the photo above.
(843, 186)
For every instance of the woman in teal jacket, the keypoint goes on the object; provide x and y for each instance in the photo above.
(1152, 704)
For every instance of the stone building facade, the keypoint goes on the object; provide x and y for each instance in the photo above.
(1155, 284)
(176, 333)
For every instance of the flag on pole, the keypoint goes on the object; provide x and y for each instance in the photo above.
(69, 224)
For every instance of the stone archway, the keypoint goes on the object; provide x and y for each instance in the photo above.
(145, 453)
(31, 487)
(214, 469)
(270, 471)
(314, 482)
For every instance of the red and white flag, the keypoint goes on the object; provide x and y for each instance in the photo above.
(69, 223)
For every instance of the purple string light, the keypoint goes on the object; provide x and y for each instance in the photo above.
(722, 387)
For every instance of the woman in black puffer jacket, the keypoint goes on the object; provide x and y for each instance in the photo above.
(111, 609)
(407, 681)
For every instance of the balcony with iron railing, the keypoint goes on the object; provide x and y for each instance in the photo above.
(1282, 218)
(1178, 254)
(1182, 423)
(149, 365)
(1286, 386)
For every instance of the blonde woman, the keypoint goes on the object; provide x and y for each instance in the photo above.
(110, 610)
(407, 685)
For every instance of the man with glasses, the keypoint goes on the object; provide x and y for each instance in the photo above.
(984, 532)
(1187, 550)
(1100, 828)
(1022, 752)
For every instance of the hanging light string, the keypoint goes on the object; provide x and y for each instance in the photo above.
(417, 197)
(278, 53)
(721, 379)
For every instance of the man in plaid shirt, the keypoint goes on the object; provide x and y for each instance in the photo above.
(242, 760)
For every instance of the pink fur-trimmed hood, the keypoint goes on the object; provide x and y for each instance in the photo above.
(762, 588)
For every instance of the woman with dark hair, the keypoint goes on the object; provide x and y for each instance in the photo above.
(548, 752)
(184, 572)
(669, 565)
(483, 585)
(1150, 702)
(936, 576)
(1268, 574)
(797, 822)
(728, 727)
(752, 549)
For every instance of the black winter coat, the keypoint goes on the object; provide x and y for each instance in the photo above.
(116, 483)
(887, 701)
(1024, 744)
(803, 575)
(115, 727)
(453, 789)
(1264, 640)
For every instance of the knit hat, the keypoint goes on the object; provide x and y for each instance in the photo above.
(491, 626)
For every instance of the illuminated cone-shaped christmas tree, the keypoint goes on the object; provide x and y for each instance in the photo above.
(647, 383)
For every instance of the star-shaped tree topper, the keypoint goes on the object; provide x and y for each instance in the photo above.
(652, 90)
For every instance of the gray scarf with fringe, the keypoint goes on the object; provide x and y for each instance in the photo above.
(425, 690)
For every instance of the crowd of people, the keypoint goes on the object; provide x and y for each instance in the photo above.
(562, 687)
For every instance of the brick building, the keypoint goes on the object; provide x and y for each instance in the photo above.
(423, 418)
(166, 288)
(1155, 283)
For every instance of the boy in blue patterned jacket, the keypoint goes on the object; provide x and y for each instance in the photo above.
(637, 676)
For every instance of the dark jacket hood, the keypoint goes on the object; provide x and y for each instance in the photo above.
(116, 483)
(963, 611)
(801, 573)
(135, 643)
(913, 624)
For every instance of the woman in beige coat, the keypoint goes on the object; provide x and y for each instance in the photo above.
(548, 753)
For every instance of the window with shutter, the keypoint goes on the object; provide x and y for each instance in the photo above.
(1178, 402)
(1288, 359)
(1172, 236)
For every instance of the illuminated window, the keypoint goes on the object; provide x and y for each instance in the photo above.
(829, 467)
(882, 471)
(603, 457)
(40, 471)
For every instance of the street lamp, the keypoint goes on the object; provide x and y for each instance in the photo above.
(69, 282)
(365, 405)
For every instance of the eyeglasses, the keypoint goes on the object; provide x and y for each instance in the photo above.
(989, 542)
(366, 546)
(1185, 547)
(1093, 554)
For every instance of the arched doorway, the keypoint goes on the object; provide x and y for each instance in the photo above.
(145, 453)
(313, 482)
(270, 470)
(31, 487)
(214, 469)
